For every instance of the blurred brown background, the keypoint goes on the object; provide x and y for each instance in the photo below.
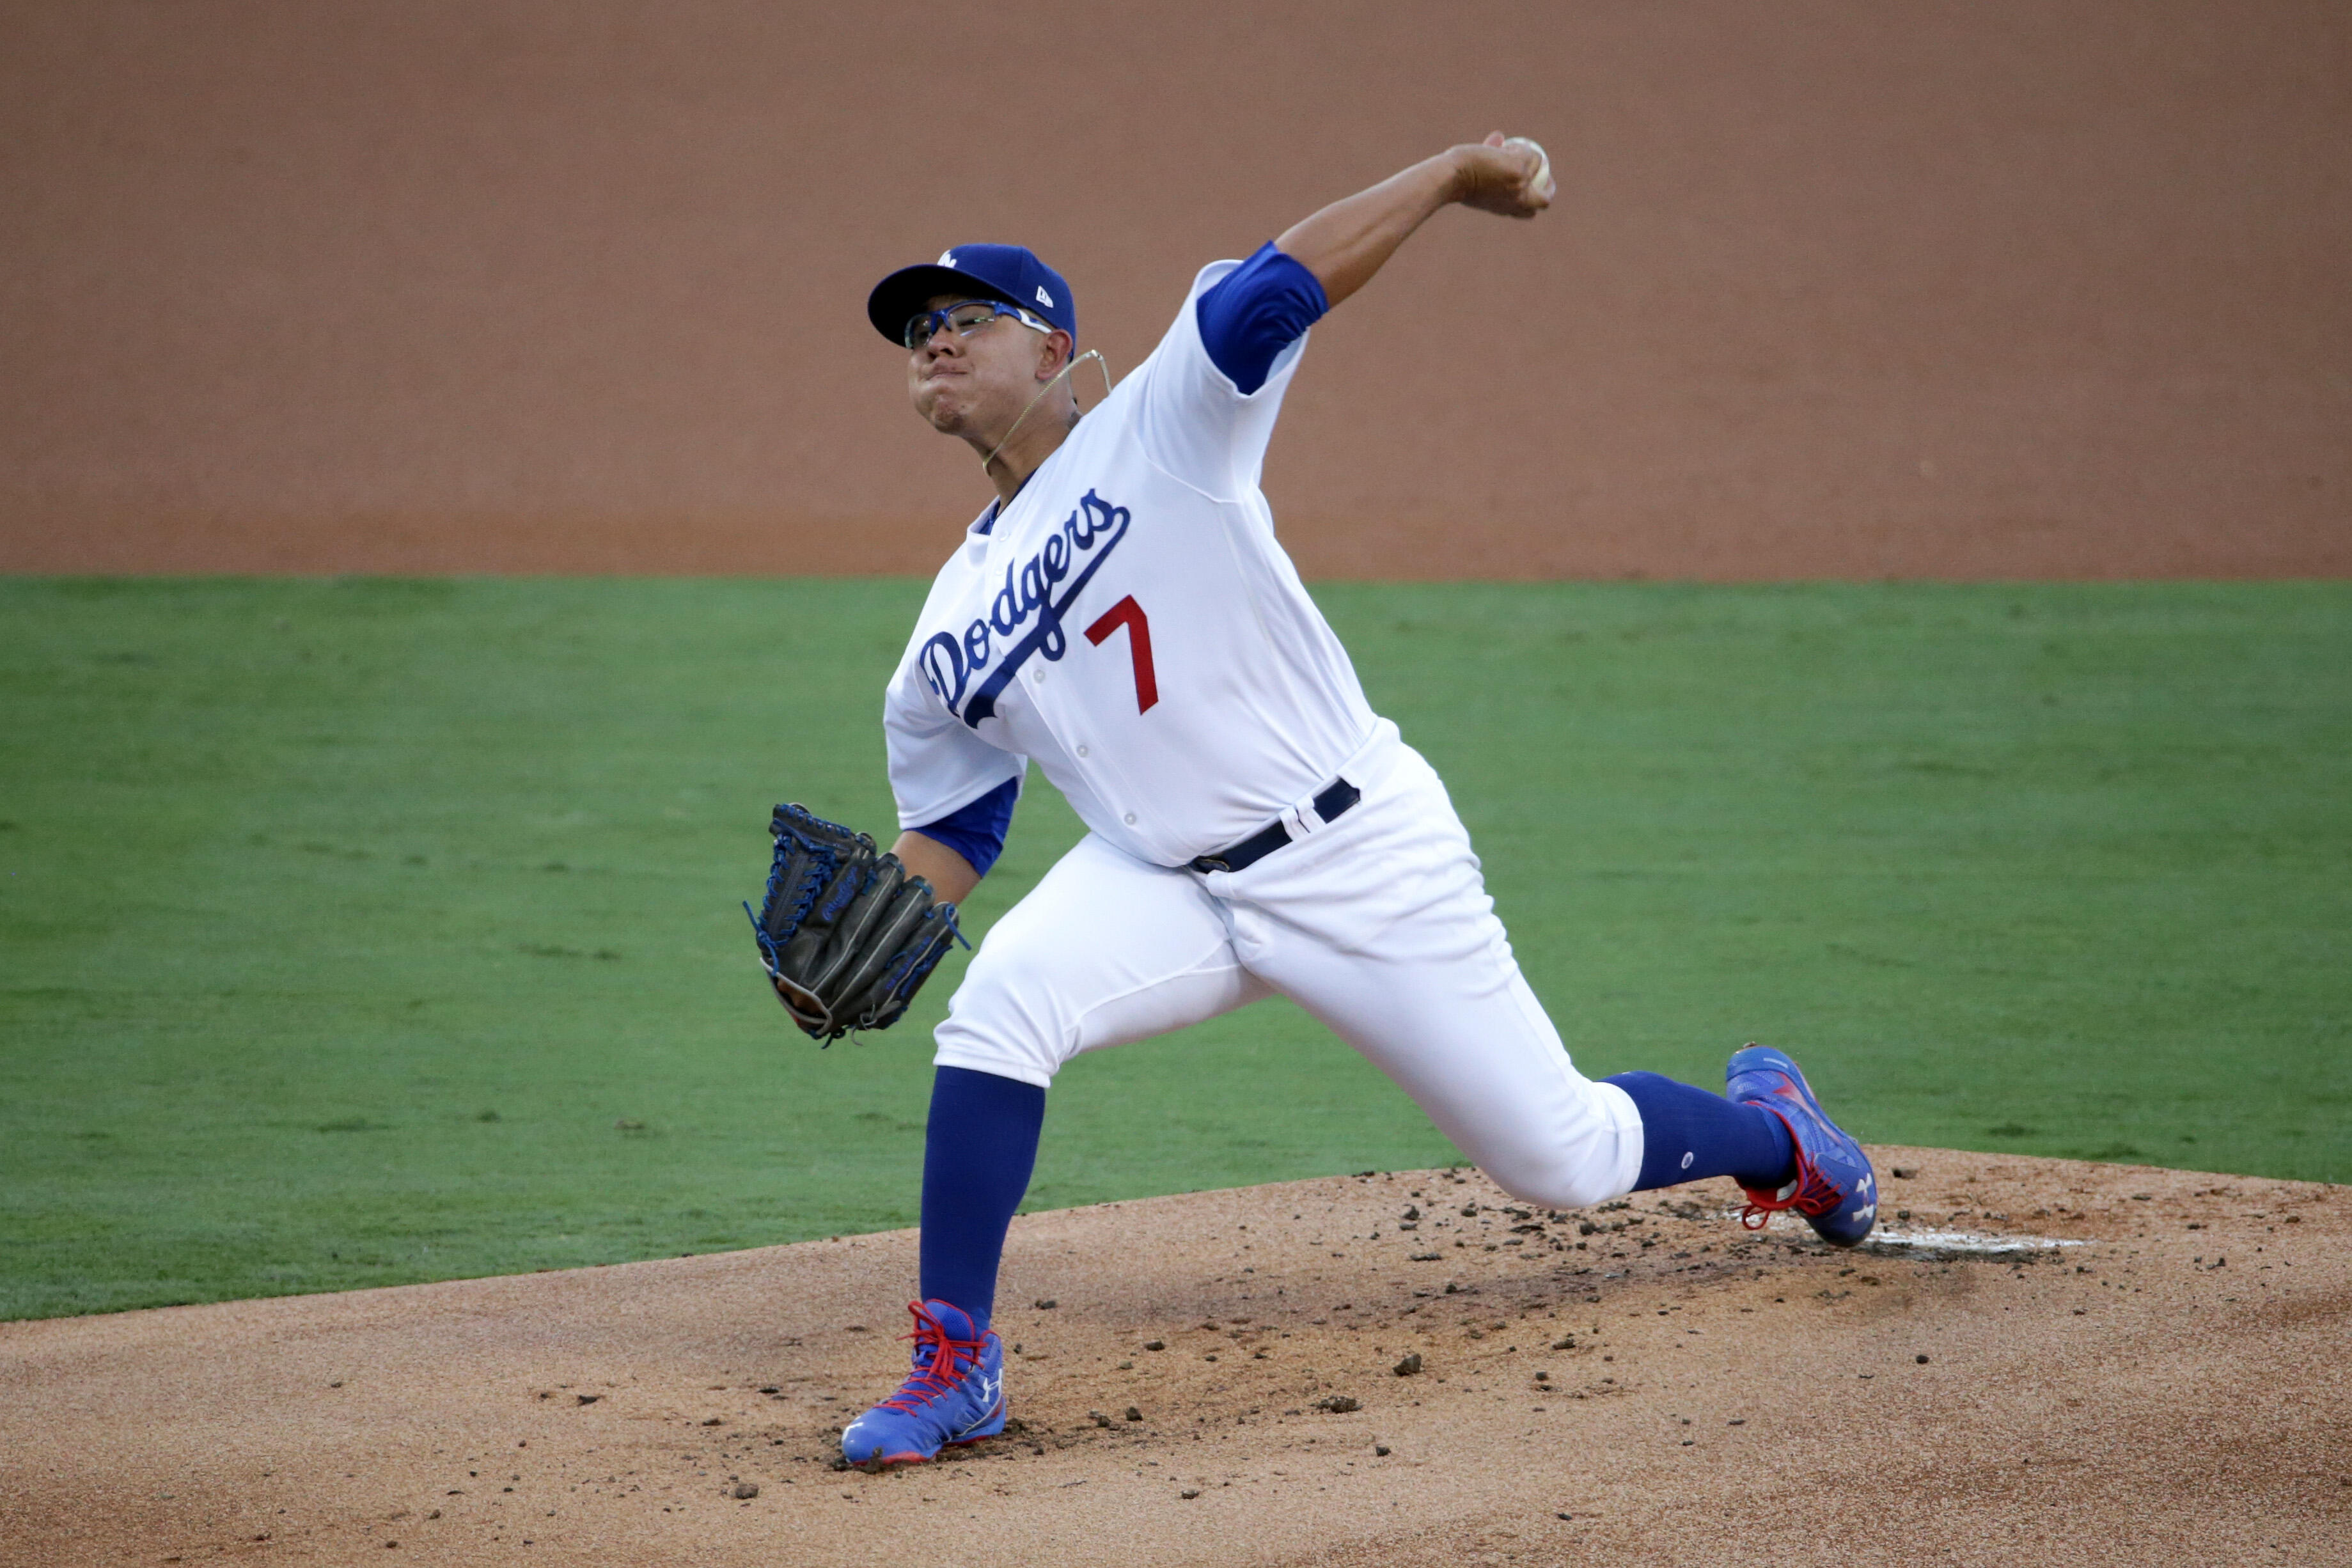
(1978, 288)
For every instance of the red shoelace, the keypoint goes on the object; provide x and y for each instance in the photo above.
(1809, 1193)
(950, 1358)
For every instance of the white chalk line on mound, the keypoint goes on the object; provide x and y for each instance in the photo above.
(1902, 1242)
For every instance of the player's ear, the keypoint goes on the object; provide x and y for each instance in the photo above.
(1056, 355)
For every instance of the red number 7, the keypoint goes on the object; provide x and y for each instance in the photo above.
(1129, 614)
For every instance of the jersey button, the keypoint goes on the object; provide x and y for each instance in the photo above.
(1130, 819)
(1040, 676)
(1082, 750)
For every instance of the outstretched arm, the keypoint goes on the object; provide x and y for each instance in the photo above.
(1347, 242)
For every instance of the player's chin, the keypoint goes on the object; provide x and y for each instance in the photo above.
(942, 407)
(948, 414)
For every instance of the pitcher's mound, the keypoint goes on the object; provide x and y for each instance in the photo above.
(2039, 1362)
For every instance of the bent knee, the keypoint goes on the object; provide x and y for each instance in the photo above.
(1563, 1187)
(1585, 1151)
(1003, 1019)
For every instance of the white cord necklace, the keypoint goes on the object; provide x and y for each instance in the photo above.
(1101, 364)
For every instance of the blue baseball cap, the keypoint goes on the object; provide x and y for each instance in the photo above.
(1010, 273)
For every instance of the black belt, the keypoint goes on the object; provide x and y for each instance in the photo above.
(1331, 805)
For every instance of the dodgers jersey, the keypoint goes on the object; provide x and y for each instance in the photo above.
(1131, 623)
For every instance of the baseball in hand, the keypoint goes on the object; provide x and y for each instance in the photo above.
(1542, 183)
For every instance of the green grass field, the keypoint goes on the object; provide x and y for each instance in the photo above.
(365, 931)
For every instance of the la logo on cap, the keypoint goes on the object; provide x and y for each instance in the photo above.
(947, 258)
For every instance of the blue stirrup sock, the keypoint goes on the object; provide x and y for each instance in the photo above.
(1689, 1134)
(978, 1153)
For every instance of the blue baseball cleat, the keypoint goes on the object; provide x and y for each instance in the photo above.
(955, 1394)
(1835, 1189)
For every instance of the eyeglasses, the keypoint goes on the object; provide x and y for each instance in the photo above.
(965, 319)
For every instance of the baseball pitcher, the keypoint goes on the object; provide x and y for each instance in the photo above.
(1122, 616)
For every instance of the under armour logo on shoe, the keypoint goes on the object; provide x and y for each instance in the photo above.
(1044, 299)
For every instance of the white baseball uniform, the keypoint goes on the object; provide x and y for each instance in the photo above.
(1131, 623)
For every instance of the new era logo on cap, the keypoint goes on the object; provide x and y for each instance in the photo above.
(1012, 273)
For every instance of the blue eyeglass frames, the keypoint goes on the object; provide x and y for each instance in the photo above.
(965, 318)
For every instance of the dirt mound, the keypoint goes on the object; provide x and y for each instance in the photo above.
(2038, 1358)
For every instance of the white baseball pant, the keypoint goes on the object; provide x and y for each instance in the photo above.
(1379, 924)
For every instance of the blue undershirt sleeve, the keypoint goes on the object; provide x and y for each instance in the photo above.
(1256, 311)
(977, 831)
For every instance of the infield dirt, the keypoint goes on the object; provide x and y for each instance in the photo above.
(2152, 1374)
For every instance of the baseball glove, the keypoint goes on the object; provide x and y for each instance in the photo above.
(846, 935)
